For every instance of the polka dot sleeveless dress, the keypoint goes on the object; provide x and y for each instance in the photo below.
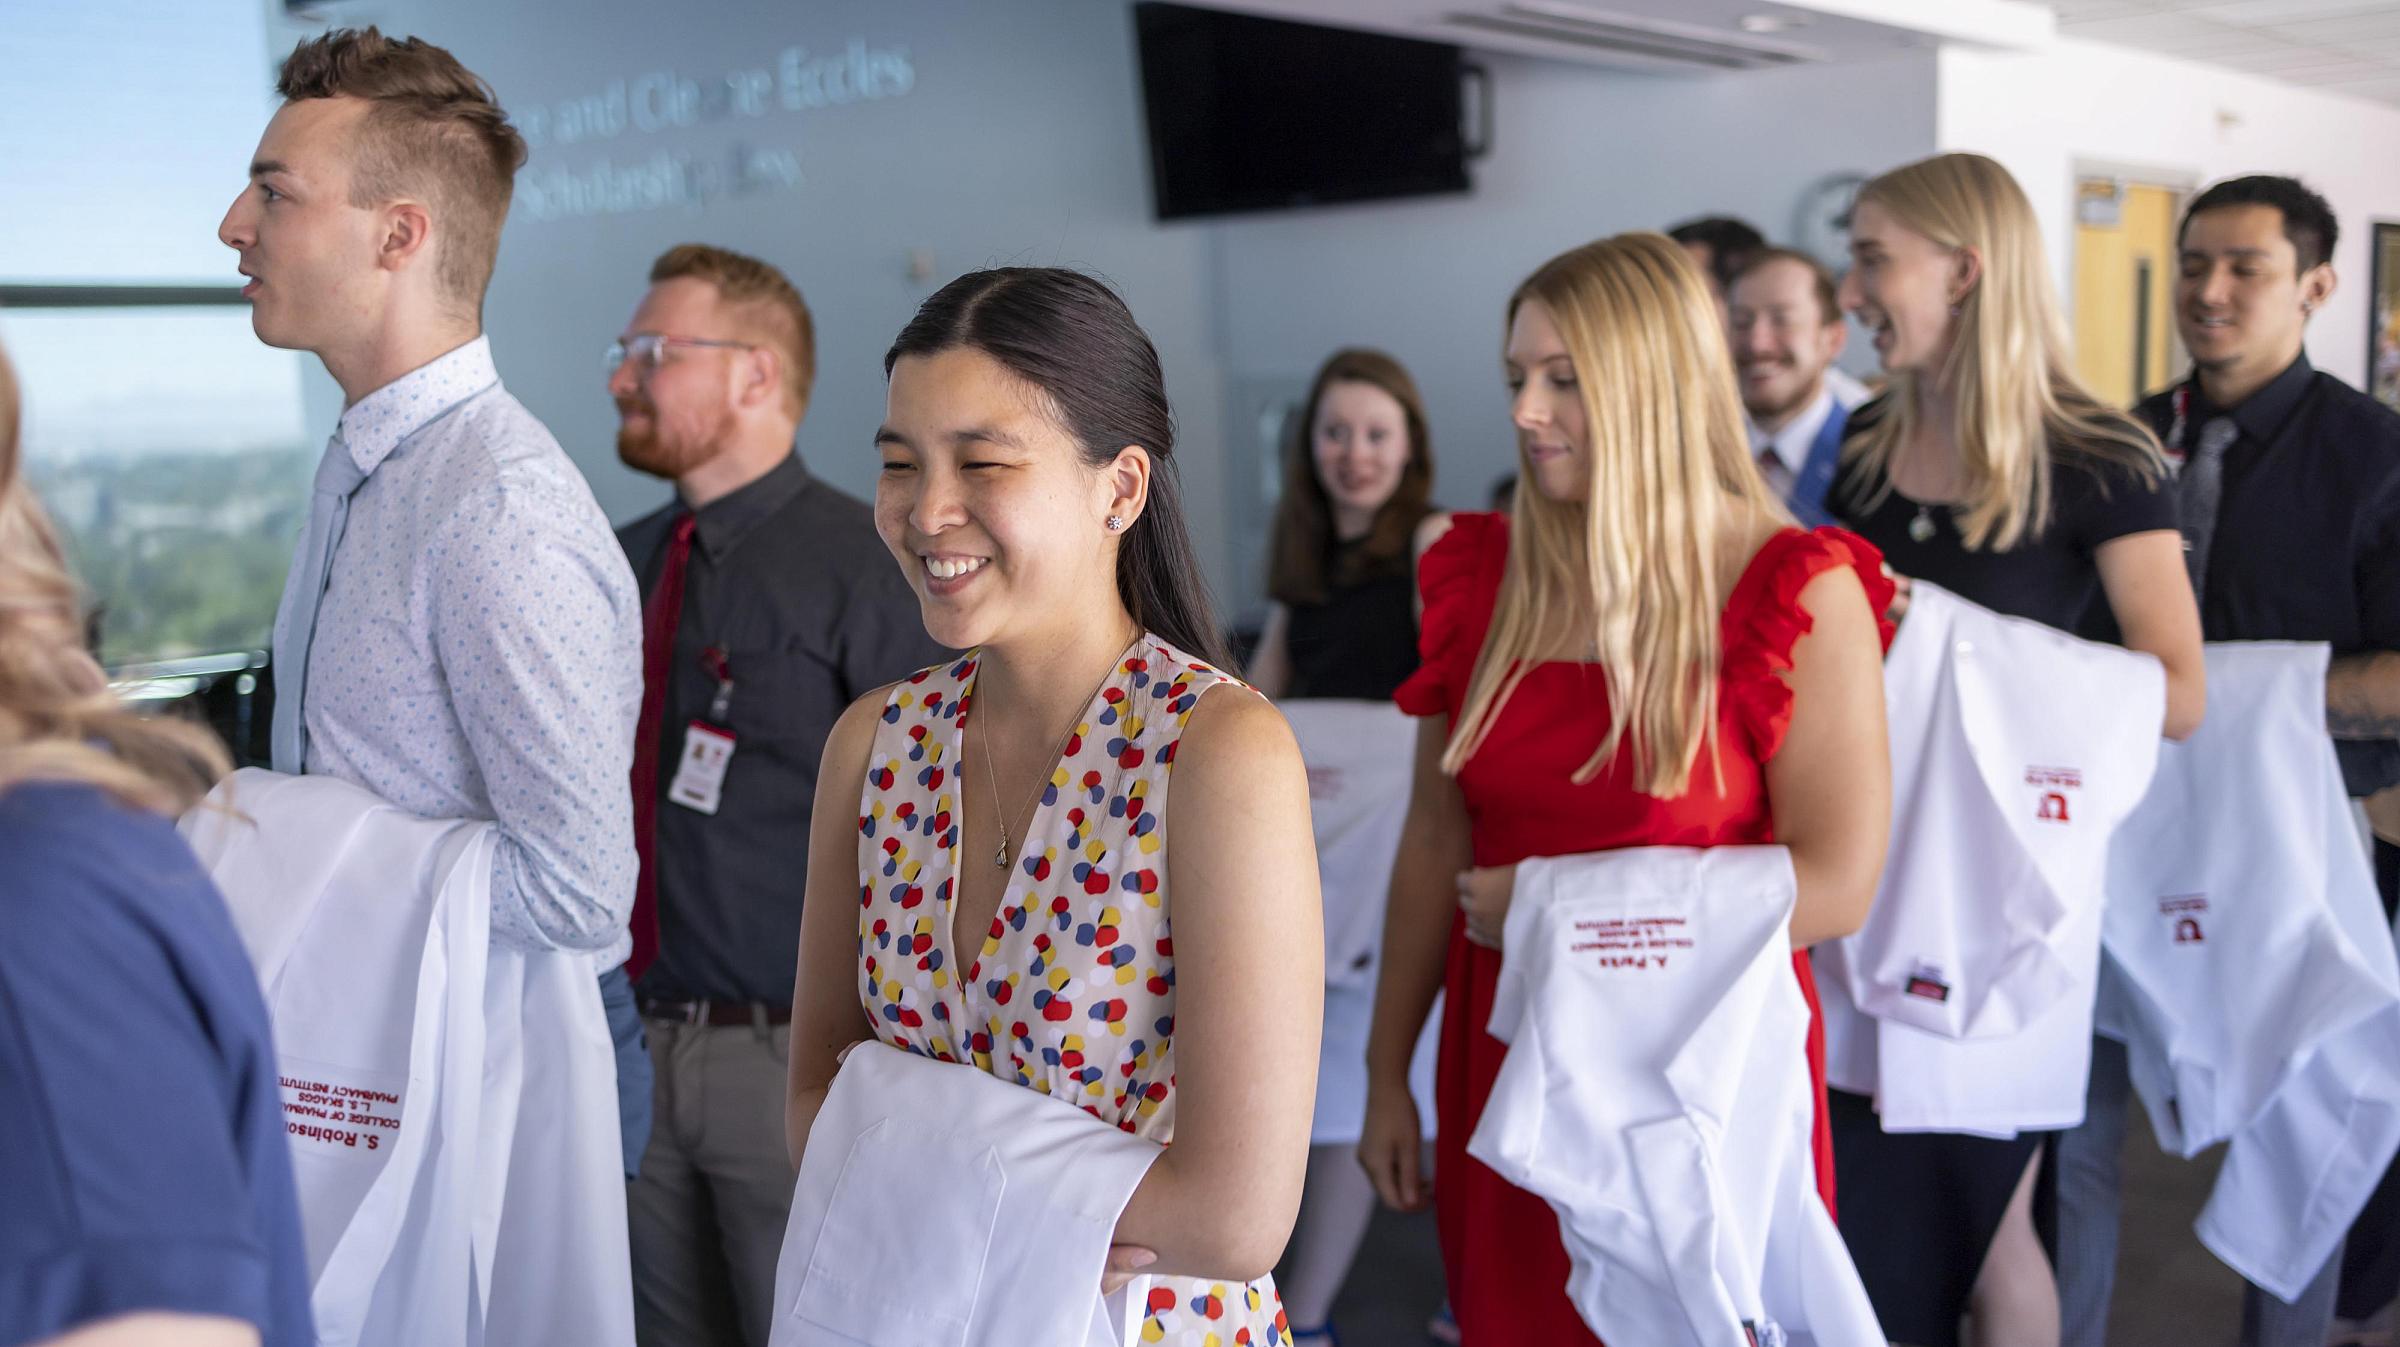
(1072, 992)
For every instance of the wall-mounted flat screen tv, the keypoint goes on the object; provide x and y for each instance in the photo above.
(1251, 114)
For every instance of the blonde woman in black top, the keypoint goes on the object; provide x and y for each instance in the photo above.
(1990, 471)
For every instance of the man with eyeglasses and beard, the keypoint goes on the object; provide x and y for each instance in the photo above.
(769, 605)
(1787, 330)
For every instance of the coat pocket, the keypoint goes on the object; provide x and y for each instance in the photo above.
(901, 1256)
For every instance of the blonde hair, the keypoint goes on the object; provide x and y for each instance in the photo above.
(1671, 473)
(58, 719)
(2018, 403)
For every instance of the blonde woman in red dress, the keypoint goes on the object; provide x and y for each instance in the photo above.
(1645, 652)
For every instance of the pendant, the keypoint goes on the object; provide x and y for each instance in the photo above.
(1921, 528)
(1000, 856)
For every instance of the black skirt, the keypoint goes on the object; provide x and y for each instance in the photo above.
(1918, 1210)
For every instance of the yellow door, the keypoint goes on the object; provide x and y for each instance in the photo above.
(2124, 288)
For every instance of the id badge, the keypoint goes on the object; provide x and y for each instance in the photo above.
(700, 775)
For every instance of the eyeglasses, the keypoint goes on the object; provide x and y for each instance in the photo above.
(648, 349)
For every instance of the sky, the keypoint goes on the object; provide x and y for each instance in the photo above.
(152, 110)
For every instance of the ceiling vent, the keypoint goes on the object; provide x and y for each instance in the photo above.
(1632, 39)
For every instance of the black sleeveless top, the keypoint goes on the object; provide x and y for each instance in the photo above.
(1360, 643)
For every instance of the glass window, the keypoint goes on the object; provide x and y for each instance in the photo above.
(167, 444)
(154, 110)
(165, 440)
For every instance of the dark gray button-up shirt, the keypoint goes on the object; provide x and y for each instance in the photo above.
(788, 580)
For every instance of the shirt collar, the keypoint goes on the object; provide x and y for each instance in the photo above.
(376, 424)
(2262, 414)
(725, 521)
(1791, 444)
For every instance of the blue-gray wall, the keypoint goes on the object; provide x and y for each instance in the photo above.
(1015, 136)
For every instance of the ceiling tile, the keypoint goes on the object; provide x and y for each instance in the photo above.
(2344, 30)
(2350, 47)
(2278, 59)
(2167, 34)
(2269, 13)
(2363, 84)
(2131, 28)
(2085, 11)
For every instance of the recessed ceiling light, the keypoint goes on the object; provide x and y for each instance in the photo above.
(1771, 23)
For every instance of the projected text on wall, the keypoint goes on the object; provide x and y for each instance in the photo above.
(799, 81)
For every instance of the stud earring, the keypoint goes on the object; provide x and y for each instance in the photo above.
(1114, 523)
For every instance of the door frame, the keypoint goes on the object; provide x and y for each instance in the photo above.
(2184, 183)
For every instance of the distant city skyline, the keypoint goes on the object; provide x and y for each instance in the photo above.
(169, 442)
(128, 187)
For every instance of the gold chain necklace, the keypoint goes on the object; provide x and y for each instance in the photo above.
(992, 776)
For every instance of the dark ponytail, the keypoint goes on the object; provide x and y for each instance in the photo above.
(1069, 335)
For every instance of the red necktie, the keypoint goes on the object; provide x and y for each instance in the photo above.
(659, 616)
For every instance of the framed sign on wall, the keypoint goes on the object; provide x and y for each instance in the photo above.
(2383, 316)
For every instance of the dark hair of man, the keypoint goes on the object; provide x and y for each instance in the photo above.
(1729, 242)
(433, 131)
(1302, 560)
(2307, 220)
(1072, 340)
(763, 300)
(1829, 304)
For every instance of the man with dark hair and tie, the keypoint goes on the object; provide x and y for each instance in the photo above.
(2289, 491)
(769, 605)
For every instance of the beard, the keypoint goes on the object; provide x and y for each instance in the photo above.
(1773, 403)
(643, 449)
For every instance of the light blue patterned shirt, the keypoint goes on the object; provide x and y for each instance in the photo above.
(478, 653)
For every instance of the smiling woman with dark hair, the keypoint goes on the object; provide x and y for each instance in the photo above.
(1030, 860)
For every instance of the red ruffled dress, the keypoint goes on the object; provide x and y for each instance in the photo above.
(1500, 1246)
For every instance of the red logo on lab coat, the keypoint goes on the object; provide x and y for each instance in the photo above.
(2054, 783)
(1925, 982)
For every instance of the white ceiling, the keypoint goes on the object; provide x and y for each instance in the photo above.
(1681, 36)
(2341, 46)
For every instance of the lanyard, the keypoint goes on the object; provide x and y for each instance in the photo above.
(2183, 416)
(713, 658)
(715, 664)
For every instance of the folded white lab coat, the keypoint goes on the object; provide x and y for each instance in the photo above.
(1964, 1004)
(402, 1035)
(1656, 1094)
(1360, 756)
(2250, 972)
(938, 1206)
(557, 1263)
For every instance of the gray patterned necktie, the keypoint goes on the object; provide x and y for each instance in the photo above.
(2198, 488)
(338, 478)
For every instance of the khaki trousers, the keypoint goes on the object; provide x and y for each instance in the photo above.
(709, 1208)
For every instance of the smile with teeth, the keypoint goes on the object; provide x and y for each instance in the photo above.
(951, 568)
